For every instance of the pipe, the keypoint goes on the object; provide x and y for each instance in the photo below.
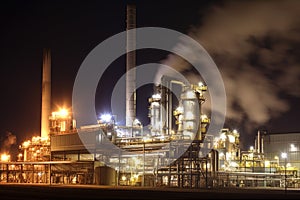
(166, 102)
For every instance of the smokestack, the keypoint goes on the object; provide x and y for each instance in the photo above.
(46, 93)
(130, 64)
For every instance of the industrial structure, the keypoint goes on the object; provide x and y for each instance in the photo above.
(145, 164)
(175, 151)
(46, 93)
(130, 66)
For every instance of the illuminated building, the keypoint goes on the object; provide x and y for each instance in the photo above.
(277, 144)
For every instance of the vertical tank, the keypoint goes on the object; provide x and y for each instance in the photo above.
(154, 114)
(190, 118)
(214, 159)
(105, 175)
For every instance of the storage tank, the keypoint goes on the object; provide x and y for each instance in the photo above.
(105, 175)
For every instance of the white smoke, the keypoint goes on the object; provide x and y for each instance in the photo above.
(9, 140)
(255, 44)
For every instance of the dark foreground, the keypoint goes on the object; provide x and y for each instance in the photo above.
(30, 192)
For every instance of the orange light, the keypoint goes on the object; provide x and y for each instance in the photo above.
(26, 144)
(63, 112)
(5, 157)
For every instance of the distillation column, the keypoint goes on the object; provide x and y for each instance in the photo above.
(154, 114)
(191, 113)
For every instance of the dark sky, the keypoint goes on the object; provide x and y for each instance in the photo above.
(73, 28)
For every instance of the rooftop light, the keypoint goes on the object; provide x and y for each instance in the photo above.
(106, 117)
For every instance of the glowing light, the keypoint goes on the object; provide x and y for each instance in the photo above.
(136, 176)
(293, 147)
(106, 117)
(204, 117)
(200, 84)
(5, 157)
(123, 178)
(44, 139)
(251, 148)
(235, 131)
(63, 112)
(74, 180)
(26, 144)
(156, 96)
(223, 136)
(208, 165)
(231, 138)
(228, 156)
(283, 155)
(267, 163)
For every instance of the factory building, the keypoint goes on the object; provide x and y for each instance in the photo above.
(282, 149)
(169, 153)
(71, 161)
(146, 155)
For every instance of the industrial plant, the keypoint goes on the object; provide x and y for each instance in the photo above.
(175, 151)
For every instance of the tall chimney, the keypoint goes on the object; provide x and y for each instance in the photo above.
(130, 65)
(258, 142)
(46, 93)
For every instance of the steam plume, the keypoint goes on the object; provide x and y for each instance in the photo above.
(255, 44)
(9, 140)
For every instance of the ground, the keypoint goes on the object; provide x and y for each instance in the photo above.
(31, 191)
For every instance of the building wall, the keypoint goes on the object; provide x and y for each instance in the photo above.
(276, 144)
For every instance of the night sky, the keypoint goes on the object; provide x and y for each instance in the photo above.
(255, 44)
